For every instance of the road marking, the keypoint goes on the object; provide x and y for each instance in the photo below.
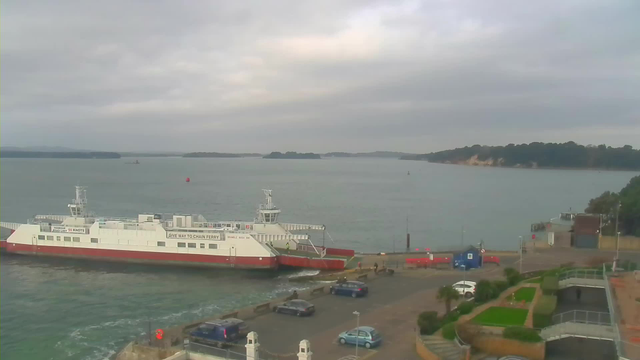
(353, 357)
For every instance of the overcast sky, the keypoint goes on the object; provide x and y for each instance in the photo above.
(318, 75)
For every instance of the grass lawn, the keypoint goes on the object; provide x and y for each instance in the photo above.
(501, 316)
(526, 294)
(537, 280)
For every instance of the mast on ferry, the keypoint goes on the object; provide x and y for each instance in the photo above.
(267, 213)
(78, 206)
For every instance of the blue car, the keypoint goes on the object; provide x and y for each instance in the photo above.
(349, 288)
(365, 336)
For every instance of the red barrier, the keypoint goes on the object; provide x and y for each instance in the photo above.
(427, 262)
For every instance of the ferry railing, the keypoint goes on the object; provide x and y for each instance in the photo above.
(620, 348)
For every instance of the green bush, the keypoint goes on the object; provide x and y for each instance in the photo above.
(428, 322)
(449, 331)
(500, 285)
(512, 275)
(549, 285)
(465, 308)
(543, 311)
(520, 334)
(485, 291)
(451, 317)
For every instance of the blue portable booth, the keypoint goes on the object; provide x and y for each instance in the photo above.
(470, 257)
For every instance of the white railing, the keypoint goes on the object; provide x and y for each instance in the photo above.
(301, 227)
(612, 312)
(584, 317)
(578, 329)
(59, 218)
(10, 225)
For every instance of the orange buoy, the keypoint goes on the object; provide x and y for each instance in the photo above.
(159, 334)
(188, 179)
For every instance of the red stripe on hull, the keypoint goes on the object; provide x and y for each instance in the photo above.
(303, 262)
(245, 262)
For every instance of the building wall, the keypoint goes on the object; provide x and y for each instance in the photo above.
(562, 239)
(586, 241)
(626, 243)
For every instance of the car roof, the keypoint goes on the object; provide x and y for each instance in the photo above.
(365, 328)
(356, 283)
(467, 282)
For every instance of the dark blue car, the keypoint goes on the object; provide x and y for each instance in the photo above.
(349, 288)
(217, 333)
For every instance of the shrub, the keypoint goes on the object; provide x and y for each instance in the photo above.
(549, 285)
(449, 331)
(428, 322)
(500, 285)
(512, 275)
(543, 311)
(450, 317)
(465, 308)
(521, 334)
(485, 291)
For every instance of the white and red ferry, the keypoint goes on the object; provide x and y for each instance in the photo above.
(178, 239)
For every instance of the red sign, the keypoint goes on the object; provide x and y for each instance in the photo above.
(533, 236)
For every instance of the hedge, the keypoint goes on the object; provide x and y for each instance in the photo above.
(428, 322)
(500, 285)
(521, 334)
(543, 311)
(549, 285)
(485, 291)
(449, 331)
(451, 317)
(465, 308)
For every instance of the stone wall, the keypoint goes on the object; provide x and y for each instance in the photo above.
(500, 346)
(626, 243)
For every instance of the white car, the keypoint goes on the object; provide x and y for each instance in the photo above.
(465, 288)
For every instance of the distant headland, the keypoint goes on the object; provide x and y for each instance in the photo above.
(218, 155)
(539, 155)
(291, 155)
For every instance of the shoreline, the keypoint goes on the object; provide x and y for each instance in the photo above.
(524, 168)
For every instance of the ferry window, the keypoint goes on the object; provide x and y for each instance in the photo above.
(40, 237)
(67, 238)
(76, 239)
(49, 237)
(182, 244)
(58, 238)
(192, 245)
(161, 243)
(94, 240)
(213, 246)
(201, 246)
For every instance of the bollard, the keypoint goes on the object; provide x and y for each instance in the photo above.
(252, 346)
(305, 350)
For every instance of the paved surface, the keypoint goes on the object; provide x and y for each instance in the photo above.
(392, 307)
(580, 349)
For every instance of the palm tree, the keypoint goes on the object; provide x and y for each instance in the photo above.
(447, 294)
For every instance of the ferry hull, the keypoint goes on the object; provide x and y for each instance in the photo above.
(193, 260)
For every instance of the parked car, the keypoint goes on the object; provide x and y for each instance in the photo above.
(365, 336)
(243, 328)
(219, 333)
(349, 288)
(465, 288)
(295, 307)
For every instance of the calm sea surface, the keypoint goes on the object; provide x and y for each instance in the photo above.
(59, 308)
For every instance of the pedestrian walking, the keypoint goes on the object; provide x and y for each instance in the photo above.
(375, 268)
(359, 266)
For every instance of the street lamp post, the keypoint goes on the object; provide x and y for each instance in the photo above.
(464, 274)
(520, 254)
(615, 261)
(357, 314)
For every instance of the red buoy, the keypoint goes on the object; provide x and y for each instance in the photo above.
(188, 179)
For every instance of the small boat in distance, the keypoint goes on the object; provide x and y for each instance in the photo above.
(133, 163)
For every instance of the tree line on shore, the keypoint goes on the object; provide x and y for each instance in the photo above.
(625, 204)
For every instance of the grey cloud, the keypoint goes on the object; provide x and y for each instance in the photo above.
(318, 76)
